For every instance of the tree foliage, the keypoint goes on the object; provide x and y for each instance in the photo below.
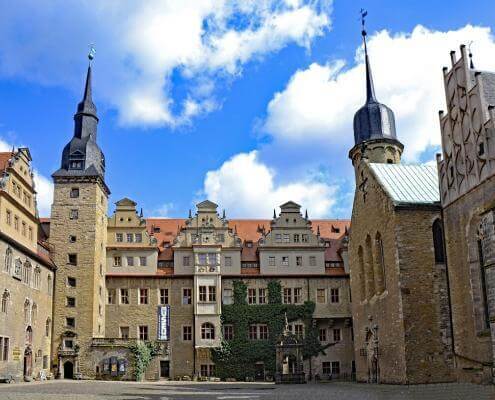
(142, 355)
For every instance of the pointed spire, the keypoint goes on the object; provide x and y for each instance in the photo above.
(141, 213)
(274, 214)
(370, 89)
(318, 230)
(190, 214)
(223, 214)
(306, 214)
(235, 229)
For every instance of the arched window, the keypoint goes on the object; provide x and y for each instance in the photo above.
(438, 242)
(8, 260)
(26, 273)
(362, 276)
(34, 313)
(49, 284)
(5, 301)
(369, 269)
(29, 334)
(27, 311)
(18, 268)
(207, 331)
(37, 277)
(48, 327)
(379, 263)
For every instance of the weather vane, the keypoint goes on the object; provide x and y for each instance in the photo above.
(92, 52)
(363, 13)
(470, 54)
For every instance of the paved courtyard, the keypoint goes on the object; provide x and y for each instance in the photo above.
(92, 390)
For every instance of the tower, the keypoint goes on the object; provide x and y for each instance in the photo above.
(375, 138)
(78, 231)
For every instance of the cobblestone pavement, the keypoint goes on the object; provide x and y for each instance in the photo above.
(95, 390)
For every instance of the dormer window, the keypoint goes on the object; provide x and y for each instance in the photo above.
(249, 244)
(76, 164)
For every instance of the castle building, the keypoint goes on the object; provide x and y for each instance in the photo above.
(26, 275)
(398, 274)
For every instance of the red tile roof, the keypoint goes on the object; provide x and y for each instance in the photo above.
(5, 156)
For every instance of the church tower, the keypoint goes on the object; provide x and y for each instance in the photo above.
(78, 229)
(375, 138)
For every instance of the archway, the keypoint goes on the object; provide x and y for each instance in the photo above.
(28, 362)
(68, 370)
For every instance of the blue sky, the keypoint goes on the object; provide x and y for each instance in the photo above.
(247, 103)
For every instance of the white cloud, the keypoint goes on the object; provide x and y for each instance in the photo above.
(318, 103)
(248, 187)
(142, 45)
(163, 211)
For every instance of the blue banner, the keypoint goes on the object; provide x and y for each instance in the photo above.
(164, 322)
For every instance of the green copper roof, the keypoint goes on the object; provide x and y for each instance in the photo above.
(408, 184)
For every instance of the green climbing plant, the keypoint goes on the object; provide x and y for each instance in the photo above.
(142, 355)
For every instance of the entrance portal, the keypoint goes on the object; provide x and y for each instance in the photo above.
(28, 362)
(68, 370)
(164, 369)
(259, 371)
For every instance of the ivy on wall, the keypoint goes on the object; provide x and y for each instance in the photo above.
(236, 358)
(142, 355)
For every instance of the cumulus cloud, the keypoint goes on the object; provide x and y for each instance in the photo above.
(248, 187)
(319, 102)
(141, 46)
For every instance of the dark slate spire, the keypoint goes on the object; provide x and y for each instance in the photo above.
(82, 156)
(373, 120)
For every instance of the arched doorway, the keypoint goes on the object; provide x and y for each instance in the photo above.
(68, 370)
(28, 362)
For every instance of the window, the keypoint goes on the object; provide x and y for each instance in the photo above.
(74, 214)
(228, 332)
(286, 238)
(45, 362)
(438, 242)
(327, 368)
(143, 296)
(296, 238)
(26, 273)
(287, 296)
(305, 238)
(8, 260)
(297, 295)
(5, 301)
(72, 239)
(212, 258)
(186, 296)
(271, 261)
(117, 261)
(71, 282)
(299, 330)
(262, 296)
(186, 261)
(34, 313)
(187, 333)
(251, 296)
(202, 293)
(228, 296)
(220, 237)
(207, 370)
(111, 296)
(71, 301)
(212, 293)
(228, 261)
(207, 331)
(299, 261)
(70, 322)
(163, 296)
(16, 223)
(334, 295)
(322, 334)
(49, 285)
(337, 337)
(258, 332)
(263, 332)
(253, 332)
(119, 237)
(335, 367)
(124, 332)
(68, 343)
(4, 348)
(202, 258)
(312, 261)
(23, 231)
(37, 277)
(139, 237)
(74, 193)
(124, 296)
(278, 238)
(320, 296)
(130, 237)
(8, 217)
(142, 261)
(130, 261)
(285, 261)
(143, 332)
(30, 233)
(72, 259)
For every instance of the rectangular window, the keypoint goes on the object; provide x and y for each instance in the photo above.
(202, 293)
(278, 238)
(8, 217)
(228, 296)
(305, 238)
(72, 259)
(297, 295)
(111, 296)
(74, 193)
(212, 293)
(286, 238)
(251, 296)
(299, 261)
(68, 343)
(287, 296)
(23, 231)
(142, 261)
(74, 214)
(320, 296)
(335, 367)
(296, 238)
(212, 258)
(187, 333)
(299, 330)
(70, 322)
(30, 233)
(202, 258)
(124, 296)
(119, 237)
(143, 332)
(207, 370)
(130, 261)
(117, 261)
(130, 237)
(71, 301)
(285, 261)
(124, 332)
(334, 295)
(4, 348)
(143, 296)
(45, 362)
(337, 337)
(322, 336)
(271, 261)
(163, 296)
(16, 223)
(263, 332)
(186, 261)
(253, 332)
(326, 367)
(312, 261)
(186, 296)
(262, 296)
(228, 261)
(228, 332)
(139, 237)
(71, 281)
